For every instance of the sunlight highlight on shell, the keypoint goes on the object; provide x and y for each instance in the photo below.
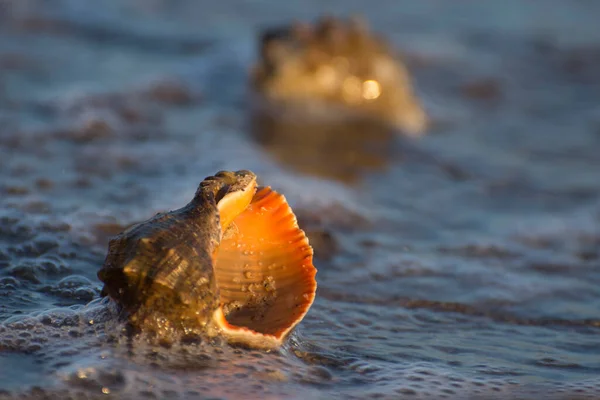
(371, 89)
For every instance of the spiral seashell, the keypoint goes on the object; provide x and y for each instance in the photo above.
(232, 262)
(340, 63)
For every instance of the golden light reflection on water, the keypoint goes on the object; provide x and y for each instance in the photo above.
(345, 149)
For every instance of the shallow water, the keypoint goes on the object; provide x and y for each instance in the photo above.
(464, 263)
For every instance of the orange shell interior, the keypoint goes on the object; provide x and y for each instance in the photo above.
(264, 272)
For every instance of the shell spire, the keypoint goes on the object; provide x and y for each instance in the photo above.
(232, 261)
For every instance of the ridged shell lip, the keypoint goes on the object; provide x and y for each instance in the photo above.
(264, 272)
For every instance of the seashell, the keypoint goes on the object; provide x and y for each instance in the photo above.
(339, 63)
(233, 262)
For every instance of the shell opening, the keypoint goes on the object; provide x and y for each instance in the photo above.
(264, 272)
(234, 203)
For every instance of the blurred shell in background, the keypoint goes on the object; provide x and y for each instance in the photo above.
(338, 62)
